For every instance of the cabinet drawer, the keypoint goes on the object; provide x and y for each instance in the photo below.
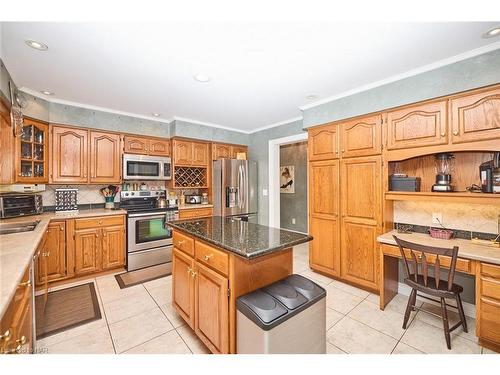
(212, 257)
(183, 243)
(96, 222)
(489, 320)
(490, 270)
(490, 288)
(196, 212)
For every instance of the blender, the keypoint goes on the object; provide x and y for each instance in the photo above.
(444, 164)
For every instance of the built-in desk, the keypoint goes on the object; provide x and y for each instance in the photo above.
(481, 261)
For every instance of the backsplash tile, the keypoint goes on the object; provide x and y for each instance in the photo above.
(87, 194)
(467, 217)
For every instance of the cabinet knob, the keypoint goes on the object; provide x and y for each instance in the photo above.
(19, 174)
(180, 243)
(5, 336)
(343, 150)
(189, 270)
(193, 273)
(455, 133)
(443, 134)
(208, 256)
(61, 228)
(96, 236)
(84, 176)
(46, 255)
(21, 341)
(100, 221)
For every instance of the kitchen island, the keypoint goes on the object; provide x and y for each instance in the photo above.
(218, 259)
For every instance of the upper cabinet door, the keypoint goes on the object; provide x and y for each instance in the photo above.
(159, 147)
(69, 155)
(183, 152)
(476, 117)
(200, 154)
(323, 143)
(32, 153)
(221, 151)
(235, 150)
(417, 126)
(361, 137)
(135, 145)
(104, 157)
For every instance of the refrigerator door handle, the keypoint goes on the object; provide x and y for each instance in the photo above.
(240, 187)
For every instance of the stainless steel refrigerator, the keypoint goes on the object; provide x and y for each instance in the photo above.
(235, 188)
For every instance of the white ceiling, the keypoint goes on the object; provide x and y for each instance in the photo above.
(261, 72)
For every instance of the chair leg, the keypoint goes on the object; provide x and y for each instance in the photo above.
(461, 312)
(414, 302)
(446, 325)
(409, 307)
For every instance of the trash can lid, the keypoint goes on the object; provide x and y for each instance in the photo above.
(286, 294)
(261, 308)
(306, 287)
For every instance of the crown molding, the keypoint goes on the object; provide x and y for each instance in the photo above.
(435, 65)
(275, 124)
(212, 125)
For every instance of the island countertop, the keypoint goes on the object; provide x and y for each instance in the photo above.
(245, 239)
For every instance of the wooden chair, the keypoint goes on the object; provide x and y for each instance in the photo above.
(417, 266)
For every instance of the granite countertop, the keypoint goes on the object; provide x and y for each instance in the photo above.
(194, 206)
(466, 248)
(247, 240)
(17, 249)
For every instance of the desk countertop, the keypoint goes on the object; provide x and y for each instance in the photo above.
(466, 248)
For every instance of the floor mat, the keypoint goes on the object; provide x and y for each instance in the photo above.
(132, 278)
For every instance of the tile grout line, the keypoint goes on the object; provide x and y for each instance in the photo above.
(105, 317)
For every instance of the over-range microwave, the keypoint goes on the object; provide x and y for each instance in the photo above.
(143, 167)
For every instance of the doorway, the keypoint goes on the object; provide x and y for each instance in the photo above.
(294, 201)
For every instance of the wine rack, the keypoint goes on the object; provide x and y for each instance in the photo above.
(190, 177)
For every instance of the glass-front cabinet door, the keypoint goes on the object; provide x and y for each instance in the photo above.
(31, 152)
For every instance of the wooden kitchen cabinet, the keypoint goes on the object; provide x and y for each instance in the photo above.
(113, 245)
(488, 305)
(324, 249)
(475, 117)
(361, 217)
(31, 153)
(105, 158)
(182, 152)
(323, 143)
(417, 126)
(52, 265)
(221, 151)
(211, 309)
(99, 244)
(195, 212)
(69, 155)
(361, 137)
(200, 154)
(183, 288)
(146, 146)
(235, 150)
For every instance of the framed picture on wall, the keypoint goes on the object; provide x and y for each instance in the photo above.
(287, 177)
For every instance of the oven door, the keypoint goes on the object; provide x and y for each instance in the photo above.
(137, 167)
(147, 231)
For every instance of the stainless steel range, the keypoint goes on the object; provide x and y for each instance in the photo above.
(149, 240)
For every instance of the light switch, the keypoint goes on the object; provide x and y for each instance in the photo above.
(264, 192)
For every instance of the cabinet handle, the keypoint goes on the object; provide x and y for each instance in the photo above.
(25, 283)
(46, 255)
(104, 234)
(19, 174)
(61, 228)
(21, 341)
(207, 257)
(96, 236)
(443, 134)
(343, 150)
(455, 132)
(180, 243)
(100, 221)
(85, 176)
(193, 273)
(5, 336)
(189, 270)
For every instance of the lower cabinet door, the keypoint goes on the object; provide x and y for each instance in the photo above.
(113, 247)
(489, 319)
(87, 251)
(360, 254)
(211, 309)
(183, 286)
(324, 250)
(55, 252)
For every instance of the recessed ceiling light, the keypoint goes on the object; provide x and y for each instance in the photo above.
(312, 97)
(156, 114)
(37, 45)
(202, 78)
(491, 33)
(47, 92)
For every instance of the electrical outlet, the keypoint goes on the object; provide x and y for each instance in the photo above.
(264, 192)
(293, 220)
(437, 218)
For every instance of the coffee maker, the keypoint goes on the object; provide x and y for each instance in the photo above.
(444, 164)
(489, 172)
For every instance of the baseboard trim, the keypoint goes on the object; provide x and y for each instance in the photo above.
(469, 308)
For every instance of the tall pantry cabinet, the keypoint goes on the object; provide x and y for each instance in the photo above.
(345, 199)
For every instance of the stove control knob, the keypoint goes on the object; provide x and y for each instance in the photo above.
(126, 194)
(132, 193)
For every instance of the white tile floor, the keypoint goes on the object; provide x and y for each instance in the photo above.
(141, 320)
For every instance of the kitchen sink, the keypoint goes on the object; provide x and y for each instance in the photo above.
(25, 226)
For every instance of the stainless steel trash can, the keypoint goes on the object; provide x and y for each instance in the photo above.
(288, 316)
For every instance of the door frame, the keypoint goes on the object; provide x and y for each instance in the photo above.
(274, 178)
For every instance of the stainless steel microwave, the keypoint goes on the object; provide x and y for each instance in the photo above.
(143, 167)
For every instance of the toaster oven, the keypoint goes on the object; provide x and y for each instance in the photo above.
(15, 205)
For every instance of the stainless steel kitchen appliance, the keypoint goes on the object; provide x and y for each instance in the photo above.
(149, 240)
(143, 167)
(15, 205)
(234, 187)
